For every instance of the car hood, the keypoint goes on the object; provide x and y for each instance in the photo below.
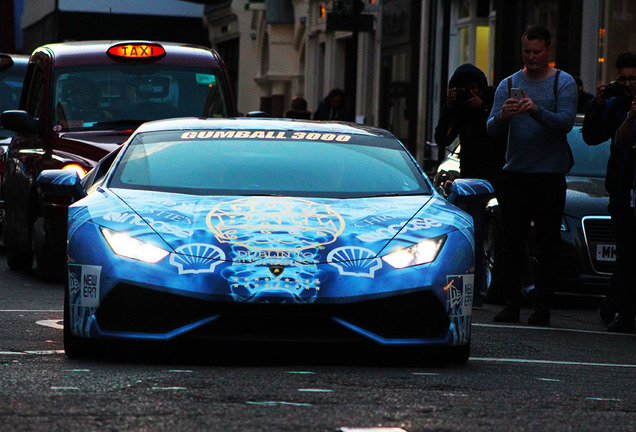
(251, 228)
(586, 196)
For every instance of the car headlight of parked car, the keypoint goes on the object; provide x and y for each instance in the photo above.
(423, 252)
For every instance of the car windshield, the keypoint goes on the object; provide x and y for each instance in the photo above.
(107, 96)
(10, 87)
(328, 165)
(589, 161)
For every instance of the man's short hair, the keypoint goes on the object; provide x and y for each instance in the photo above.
(626, 60)
(538, 33)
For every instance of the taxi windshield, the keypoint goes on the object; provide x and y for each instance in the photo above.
(108, 96)
(326, 165)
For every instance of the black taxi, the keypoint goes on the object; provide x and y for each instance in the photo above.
(80, 101)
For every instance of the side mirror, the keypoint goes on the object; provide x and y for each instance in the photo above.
(258, 114)
(60, 187)
(470, 191)
(20, 121)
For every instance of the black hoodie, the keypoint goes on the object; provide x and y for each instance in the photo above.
(481, 156)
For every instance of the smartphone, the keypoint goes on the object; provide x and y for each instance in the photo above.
(515, 93)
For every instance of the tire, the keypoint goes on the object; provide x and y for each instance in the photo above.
(17, 258)
(49, 261)
(74, 346)
(493, 250)
(456, 354)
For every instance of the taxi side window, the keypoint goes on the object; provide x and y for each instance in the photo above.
(35, 93)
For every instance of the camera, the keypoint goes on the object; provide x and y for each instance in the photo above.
(463, 94)
(613, 89)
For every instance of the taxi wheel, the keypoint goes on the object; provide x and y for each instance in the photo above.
(48, 260)
(17, 258)
(455, 354)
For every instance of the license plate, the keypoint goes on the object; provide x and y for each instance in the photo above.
(605, 252)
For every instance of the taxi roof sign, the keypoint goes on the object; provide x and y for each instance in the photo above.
(137, 51)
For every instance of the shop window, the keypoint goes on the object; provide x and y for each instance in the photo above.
(617, 35)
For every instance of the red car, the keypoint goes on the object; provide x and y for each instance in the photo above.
(80, 101)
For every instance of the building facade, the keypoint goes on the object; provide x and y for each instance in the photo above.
(393, 58)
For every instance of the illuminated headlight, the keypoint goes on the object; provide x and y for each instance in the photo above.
(128, 247)
(421, 253)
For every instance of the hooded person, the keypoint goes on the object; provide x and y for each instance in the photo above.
(468, 104)
(334, 107)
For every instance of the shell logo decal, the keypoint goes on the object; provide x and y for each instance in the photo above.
(275, 224)
(197, 258)
(354, 261)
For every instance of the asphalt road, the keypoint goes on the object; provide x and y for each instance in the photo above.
(572, 376)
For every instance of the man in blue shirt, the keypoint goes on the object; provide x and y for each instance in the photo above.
(537, 159)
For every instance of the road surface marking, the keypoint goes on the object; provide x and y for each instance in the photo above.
(32, 310)
(56, 324)
(372, 429)
(314, 390)
(551, 362)
(559, 329)
(272, 403)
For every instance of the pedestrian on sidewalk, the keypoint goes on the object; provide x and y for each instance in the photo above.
(536, 106)
(612, 117)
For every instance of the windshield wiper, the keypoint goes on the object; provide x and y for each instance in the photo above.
(392, 194)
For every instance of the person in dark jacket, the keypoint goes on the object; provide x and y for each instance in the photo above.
(613, 111)
(468, 104)
(298, 109)
(585, 98)
(334, 107)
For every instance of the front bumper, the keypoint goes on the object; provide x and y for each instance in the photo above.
(119, 298)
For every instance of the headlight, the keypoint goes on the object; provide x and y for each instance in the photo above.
(421, 253)
(126, 246)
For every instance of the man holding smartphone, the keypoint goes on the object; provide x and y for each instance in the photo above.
(537, 159)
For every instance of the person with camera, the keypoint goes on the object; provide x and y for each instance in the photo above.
(536, 108)
(612, 117)
(468, 103)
